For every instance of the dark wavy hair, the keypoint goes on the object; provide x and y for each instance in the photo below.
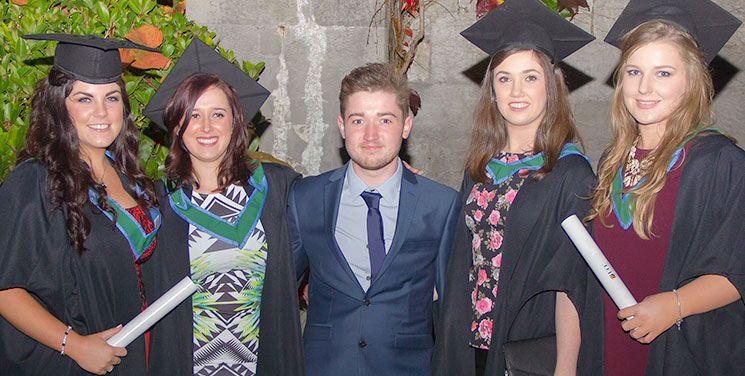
(52, 140)
(236, 166)
(489, 134)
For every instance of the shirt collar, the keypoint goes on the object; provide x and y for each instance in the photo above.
(389, 189)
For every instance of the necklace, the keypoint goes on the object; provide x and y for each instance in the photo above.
(635, 169)
(101, 184)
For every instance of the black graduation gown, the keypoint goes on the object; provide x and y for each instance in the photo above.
(538, 259)
(707, 237)
(92, 291)
(280, 350)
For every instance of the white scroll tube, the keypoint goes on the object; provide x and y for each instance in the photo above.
(599, 265)
(147, 318)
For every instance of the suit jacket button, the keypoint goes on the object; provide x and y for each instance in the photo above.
(363, 344)
(366, 302)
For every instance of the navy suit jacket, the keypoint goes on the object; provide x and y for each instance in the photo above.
(388, 329)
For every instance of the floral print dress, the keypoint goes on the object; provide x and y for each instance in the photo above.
(486, 211)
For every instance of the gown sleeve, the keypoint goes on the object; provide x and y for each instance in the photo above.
(708, 237)
(32, 244)
(29, 257)
(723, 252)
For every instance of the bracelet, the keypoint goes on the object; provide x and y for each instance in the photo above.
(64, 340)
(680, 312)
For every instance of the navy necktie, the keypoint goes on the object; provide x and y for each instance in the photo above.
(375, 242)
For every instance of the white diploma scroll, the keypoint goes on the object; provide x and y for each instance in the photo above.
(599, 265)
(147, 318)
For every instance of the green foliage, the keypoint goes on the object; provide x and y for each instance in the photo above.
(553, 5)
(23, 63)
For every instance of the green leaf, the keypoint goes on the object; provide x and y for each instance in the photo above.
(5, 111)
(15, 137)
(148, 5)
(89, 3)
(135, 6)
(21, 49)
(254, 145)
(103, 12)
(167, 49)
(76, 18)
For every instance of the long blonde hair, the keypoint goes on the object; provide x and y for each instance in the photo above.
(489, 133)
(693, 114)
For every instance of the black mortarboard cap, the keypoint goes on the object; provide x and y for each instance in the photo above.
(527, 24)
(200, 58)
(708, 24)
(88, 58)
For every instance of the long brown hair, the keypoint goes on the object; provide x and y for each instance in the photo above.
(53, 141)
(693, 114)
(489, 133)
(236, 166)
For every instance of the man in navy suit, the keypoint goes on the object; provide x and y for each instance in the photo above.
(376, 238)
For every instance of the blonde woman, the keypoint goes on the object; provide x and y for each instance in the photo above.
(669, 204)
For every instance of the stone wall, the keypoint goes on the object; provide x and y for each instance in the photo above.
(309, 45)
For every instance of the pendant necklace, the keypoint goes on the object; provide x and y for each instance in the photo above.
(101, 184)
(635, 168)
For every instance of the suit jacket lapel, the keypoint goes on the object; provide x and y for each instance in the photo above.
(331, 198)
(406, 204)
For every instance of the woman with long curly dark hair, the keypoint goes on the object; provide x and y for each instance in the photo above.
(78, 219)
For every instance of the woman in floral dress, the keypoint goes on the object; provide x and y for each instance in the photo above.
(225, 227)
(513, 273)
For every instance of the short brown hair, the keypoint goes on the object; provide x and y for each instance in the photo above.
(375, 77)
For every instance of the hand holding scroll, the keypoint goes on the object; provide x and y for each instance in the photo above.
(92, 353)
(649, 318)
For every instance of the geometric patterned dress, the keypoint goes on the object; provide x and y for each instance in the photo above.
(226, 309)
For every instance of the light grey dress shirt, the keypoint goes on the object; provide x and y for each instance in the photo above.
(351, 222)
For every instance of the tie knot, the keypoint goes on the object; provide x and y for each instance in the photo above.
(372, 199)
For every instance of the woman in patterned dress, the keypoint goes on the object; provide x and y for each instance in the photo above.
(513, 273)
(224, 226)
(668, 209)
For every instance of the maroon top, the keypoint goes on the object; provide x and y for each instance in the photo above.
(639, 264)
